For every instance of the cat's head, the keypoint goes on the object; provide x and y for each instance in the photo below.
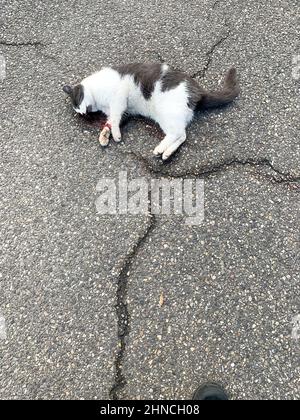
(79, 98)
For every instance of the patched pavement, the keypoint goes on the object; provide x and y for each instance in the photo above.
(209, 302)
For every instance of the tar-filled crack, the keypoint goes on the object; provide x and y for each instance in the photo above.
(277, 176)
(213, 8)
(123, 315)
(122, 310)
(22, 44)
(209, 56)
(216, 4)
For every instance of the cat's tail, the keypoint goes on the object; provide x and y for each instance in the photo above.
(222, 97)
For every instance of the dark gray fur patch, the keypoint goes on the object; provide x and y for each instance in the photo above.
(145, 76)
(77, 95)
(195, 93)
(172, 79)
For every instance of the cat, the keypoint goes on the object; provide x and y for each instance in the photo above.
(156, 91)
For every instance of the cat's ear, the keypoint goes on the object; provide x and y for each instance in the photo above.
(68, 89)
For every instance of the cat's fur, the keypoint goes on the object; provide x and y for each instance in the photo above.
(156, 91)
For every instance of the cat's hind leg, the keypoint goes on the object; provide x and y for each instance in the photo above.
(164, 145)
(173, 120)
(169, 145)
(173, 147)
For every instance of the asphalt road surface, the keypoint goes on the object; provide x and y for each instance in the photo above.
(135, 307)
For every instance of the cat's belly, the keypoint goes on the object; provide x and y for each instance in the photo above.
(142, 111)
(138, 105)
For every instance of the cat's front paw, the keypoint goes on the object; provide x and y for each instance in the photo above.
(104, 137)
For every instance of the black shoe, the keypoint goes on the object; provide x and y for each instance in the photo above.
(210, 392)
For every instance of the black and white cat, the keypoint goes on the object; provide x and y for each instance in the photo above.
(167, 96)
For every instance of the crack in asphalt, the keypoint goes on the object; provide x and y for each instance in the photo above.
(216, 4)
(39, 45)
(213, 8)
(22, 44)
(209, 55)
(123, 315)
(279, 178)
(202, 73)
(122, 311)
